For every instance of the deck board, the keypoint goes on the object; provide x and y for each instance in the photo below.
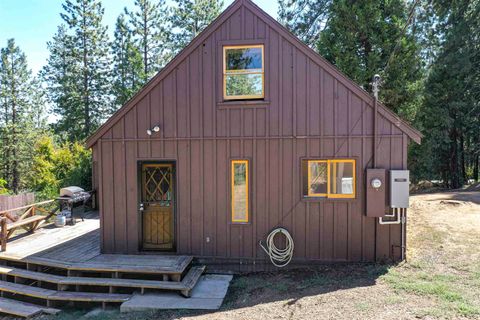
(47, 294)
(186, 284)
(19, 309)
(78, 248)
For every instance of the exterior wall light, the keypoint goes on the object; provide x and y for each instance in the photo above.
(152, 130)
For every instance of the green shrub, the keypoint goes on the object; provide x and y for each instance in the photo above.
(58, 165)
(3, 187)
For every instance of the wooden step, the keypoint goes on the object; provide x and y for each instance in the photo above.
(186, 284)
(19, 309)
(47, 294)
(172, 265)
(23, 309)
(191, 279)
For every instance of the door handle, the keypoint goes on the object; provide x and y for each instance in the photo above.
(141, 207)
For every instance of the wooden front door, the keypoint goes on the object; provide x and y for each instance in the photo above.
(157, 206)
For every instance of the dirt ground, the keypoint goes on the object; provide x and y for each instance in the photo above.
(440, 280)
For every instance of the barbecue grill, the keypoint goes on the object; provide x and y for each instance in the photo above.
(72, 202)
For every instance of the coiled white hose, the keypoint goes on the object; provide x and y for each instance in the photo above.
(279, 257)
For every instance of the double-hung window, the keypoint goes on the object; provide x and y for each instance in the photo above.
(243, 72)
(333, 178)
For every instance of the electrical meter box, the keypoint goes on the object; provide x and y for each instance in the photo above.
(376, 192)
(399, 188)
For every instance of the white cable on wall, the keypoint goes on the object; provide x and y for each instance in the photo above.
(279, 257)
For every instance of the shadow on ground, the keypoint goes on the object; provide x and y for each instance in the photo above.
(289, 286)
(460, 196)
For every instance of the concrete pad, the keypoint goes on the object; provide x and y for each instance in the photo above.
(208, 294)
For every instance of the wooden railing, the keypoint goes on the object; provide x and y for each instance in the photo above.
(32, 216)
(9, 201)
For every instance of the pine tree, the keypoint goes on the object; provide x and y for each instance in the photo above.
(190, 17)
(128, 72)
(23, 115)
(364, 38)
(450, 115)
(150, 31)
(59, 75)
(78, 70)
(305, 18)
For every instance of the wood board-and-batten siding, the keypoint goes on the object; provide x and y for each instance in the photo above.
(307, 112)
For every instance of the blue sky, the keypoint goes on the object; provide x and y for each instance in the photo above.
(34, 22)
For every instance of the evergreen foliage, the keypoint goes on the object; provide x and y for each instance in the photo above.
(148, 23)
(450, 114)
(190, 17)
(128, 72)
(22, 116)
(365, 38)
(78, 72)
(305, 18)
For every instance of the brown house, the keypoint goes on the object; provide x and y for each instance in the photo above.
(246, 130)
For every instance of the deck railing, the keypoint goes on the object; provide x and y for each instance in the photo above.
(32, 216)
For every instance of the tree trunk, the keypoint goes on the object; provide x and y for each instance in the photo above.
(475, 167)
(454, 161)
(15, 172)
(85, 79)
(145, 44)
(462, 159)
(7, 148)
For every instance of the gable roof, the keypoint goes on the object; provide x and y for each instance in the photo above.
(411, 132)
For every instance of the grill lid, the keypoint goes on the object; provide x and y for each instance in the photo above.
(70, 191)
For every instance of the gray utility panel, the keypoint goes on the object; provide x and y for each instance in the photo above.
(399, 188)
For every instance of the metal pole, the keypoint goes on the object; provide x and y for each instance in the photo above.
(376, 88)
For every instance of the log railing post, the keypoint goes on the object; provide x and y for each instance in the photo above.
(3, 233)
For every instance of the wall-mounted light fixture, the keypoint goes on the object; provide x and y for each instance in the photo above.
(152, 130)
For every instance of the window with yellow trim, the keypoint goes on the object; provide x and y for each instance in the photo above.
(243, 72)
(333, 178)
(239, 191)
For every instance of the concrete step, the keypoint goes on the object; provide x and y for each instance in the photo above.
(208, 294)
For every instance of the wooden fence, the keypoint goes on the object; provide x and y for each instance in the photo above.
(9, 202)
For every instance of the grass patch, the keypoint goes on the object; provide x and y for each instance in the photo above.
(440, 286)
(280, 286)
(466, 309)
(447, 288)
(315, 281)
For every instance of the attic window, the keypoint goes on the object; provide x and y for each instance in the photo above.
(243, 72)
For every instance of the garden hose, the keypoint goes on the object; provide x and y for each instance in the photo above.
(279, 257)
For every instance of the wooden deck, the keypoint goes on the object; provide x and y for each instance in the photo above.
(64, 265)
(77, 248)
